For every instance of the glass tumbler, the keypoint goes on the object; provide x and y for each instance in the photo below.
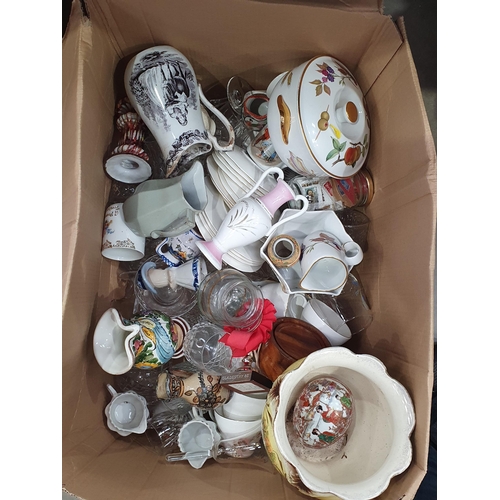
(228, 298)
(351, 305)
(356, 224)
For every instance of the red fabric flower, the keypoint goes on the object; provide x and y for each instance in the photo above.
(242, 342)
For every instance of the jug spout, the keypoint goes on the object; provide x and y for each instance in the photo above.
(193, 187)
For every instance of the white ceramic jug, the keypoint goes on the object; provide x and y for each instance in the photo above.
(161, 85)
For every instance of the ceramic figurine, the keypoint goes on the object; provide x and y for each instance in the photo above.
(250, 219)
(199, 389)
(318, 119)
(145, 341)
(161, 85)
(128, 161)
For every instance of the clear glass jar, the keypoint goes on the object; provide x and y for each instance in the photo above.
(229, 298)
(330, 193)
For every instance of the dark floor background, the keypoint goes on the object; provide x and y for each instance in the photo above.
(420, 19)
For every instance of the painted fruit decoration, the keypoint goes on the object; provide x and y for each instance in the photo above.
(323, 413)
(285, 118)
(352, 155)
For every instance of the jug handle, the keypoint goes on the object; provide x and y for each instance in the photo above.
(305, 205)
(111, 390)
(223, 119)
(275, 170)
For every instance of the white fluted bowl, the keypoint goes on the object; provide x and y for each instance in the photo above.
(378, 446)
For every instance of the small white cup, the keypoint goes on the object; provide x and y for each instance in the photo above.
(230, 428)
(198, 435)
(327, 321)
(295, 306)
(118, 240)
(127, 412)
(244, 407)
(286, 304)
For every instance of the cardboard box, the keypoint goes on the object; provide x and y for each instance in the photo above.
(257, 40)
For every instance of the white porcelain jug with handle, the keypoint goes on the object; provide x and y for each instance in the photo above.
(161, 85)
(251, 218)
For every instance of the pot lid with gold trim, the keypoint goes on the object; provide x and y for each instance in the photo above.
(333, 117)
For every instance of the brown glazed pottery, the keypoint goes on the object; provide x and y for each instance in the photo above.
(291, 339)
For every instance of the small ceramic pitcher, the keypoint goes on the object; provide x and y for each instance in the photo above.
(178, 249)
(325, 261)
(145, 341)
(188, 275)
(251, 219)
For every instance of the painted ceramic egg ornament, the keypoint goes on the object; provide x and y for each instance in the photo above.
(323, 413)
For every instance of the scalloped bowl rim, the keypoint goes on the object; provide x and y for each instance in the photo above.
(398, 399)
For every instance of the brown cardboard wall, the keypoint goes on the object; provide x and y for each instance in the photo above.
(265, 38)
(397, 271)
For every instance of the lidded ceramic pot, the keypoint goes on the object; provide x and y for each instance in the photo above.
(318, 120)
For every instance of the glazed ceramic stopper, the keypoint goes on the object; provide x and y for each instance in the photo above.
(323, 412)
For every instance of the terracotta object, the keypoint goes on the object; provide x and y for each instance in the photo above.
(291, 339)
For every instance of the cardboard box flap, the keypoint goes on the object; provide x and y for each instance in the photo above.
(135, 26)
(353, 5)
(86, 133)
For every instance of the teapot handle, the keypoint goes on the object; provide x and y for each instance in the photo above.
(223, 119)
(305, 205)
(272, 170)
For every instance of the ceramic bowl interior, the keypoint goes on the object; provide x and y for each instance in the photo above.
(378, 445)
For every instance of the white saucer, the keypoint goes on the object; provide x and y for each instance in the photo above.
(238, 177)
(245, 167)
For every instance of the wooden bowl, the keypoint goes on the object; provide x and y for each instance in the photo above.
(291, 339)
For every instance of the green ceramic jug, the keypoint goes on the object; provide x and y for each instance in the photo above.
(166, 207)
